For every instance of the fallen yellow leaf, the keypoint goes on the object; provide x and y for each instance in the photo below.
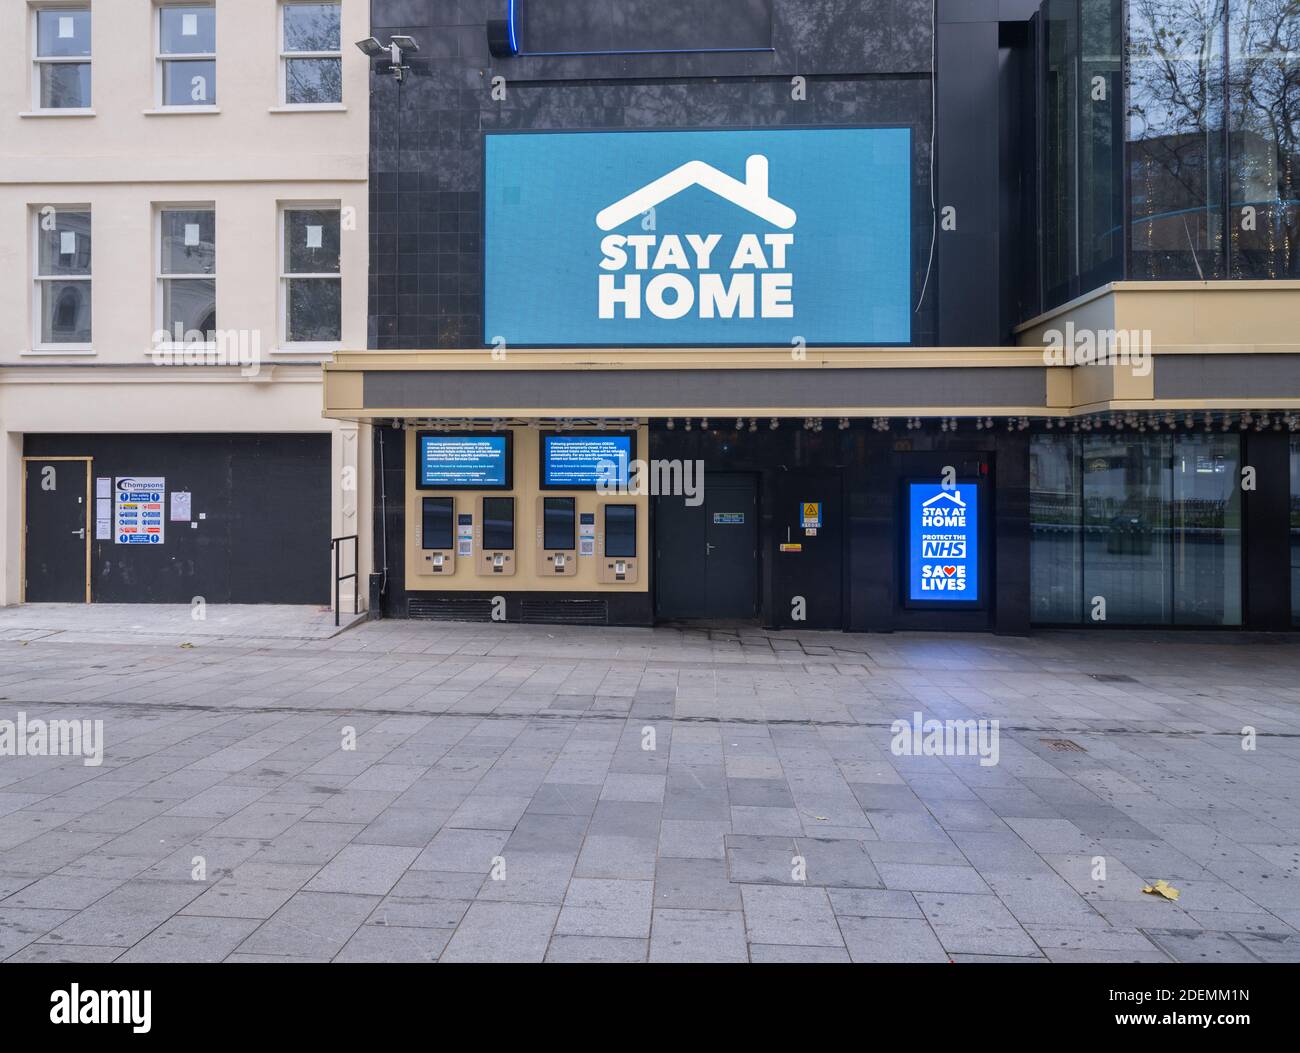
(1162, 888)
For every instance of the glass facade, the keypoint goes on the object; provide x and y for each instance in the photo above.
(1213, 130)
(1083, 172)
(1196, 104)
(1295, 530)
(1135, 528)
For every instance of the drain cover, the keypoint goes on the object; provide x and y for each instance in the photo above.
(1063, 746)
(1113, 678)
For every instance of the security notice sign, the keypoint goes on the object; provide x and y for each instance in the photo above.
(138, 513)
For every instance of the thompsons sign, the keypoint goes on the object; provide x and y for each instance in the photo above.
(702, 237)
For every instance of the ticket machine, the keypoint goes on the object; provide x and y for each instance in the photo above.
(618, 553)
(557, 536)
(496, 537)
(437, 555)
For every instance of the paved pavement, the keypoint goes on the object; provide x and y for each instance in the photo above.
(562, 793)
(238, 623)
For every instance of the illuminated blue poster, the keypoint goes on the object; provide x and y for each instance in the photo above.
(762, 236)
(585, 460)
(453, 461)
(943, 543)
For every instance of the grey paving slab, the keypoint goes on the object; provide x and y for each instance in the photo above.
(64, 953)
(683, 935)
(128, 913)
(310, 925)
(767, 952)
(252, 890)
(20, 926)
(503, 932)
(693, 838)
(61, 893)
(772, 821)
(365, 869)
(599, 949)
(391, 943)
(530, 877)
(606, 907)
(701, 884)
(183, 938)
(790, 916)
(877, 939)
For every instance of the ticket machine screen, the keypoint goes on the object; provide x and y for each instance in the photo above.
(437, 532)
(620, 530)
(498, 524)
(558, 524)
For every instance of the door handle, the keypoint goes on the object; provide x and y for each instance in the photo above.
(80, 533)
(708, 549)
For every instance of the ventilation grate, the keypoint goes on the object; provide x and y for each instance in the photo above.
(1063, 745)
(449, 608)
(564, 612)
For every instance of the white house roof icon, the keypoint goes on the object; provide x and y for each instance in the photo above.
(949, 495)
(750, 195)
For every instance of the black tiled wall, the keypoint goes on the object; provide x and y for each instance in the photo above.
(867, 62)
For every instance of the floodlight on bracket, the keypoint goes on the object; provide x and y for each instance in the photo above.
(395, 50)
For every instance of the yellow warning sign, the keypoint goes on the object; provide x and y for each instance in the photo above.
(812, 515)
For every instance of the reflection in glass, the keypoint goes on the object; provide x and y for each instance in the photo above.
(1126, 551)
(1264, 139)
(189, 241)
(314, 310)
(1144, 526)
(311, 27)
(1055, 565)
(63, 243)
(62, 32)
(65, 312)
(187, 30)
(311, 241)
(65, 85)
(315, 80)
(189, 307)
(190, 82)
(1175, 122)
(1295, 530)
(1206, 524)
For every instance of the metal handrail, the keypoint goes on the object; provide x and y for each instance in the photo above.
(336, 547)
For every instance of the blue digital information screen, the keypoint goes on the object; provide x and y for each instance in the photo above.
(452, 461)
(943, 543)
(750, 236)
(586, 460)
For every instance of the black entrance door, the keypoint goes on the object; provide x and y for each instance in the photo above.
(57, 528)
(706, 556)
(808, 550)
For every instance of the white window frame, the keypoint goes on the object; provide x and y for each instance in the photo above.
(39, 281)
(38, 60)
(161, 277)
(285, 56)
(305, 346)
(161, 60)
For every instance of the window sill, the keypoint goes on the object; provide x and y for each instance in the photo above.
(310, 107)
(307, 349)
(48, 351)
(71, 111)
(180, 111)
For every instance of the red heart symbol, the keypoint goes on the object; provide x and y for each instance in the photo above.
(950, 571)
